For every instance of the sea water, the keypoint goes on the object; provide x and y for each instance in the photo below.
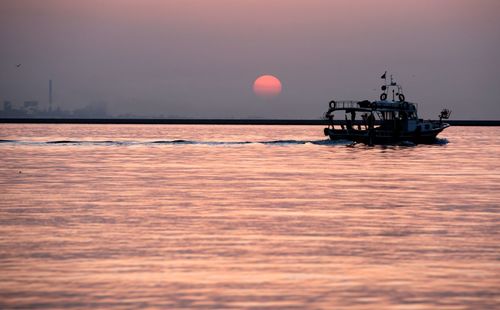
(157, 216)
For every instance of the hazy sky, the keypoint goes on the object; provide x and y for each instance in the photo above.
(199, 58)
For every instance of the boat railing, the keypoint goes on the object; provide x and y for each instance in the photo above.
(351, 104)
(346, 104)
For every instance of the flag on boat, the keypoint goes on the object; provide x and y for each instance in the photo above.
(383, 75)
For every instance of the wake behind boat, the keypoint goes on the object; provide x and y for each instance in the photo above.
(383, 121)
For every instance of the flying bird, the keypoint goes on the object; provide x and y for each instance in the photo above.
(18, 65)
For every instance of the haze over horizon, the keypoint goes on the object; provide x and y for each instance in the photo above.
(200, 58)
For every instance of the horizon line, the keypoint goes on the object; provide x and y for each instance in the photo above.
(208, 121)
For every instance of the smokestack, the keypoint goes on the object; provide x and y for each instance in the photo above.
(50, 95)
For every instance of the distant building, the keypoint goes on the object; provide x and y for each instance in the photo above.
(7, 106)
(9, 110)
(31, 107)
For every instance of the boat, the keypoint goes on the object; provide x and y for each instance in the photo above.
(383, 121)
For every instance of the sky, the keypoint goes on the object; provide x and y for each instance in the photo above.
(199, 58)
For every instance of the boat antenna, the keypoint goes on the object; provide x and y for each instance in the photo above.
(393, 84)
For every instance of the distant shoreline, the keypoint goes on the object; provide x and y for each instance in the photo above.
(160, 121)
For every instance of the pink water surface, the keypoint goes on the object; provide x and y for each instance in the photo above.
(155, 216)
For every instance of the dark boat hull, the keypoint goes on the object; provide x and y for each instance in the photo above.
(385, 136)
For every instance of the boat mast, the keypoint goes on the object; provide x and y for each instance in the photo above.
(393, 84)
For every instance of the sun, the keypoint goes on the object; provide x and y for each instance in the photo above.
(267, 86)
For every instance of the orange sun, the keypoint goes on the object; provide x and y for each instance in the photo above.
(267, 86)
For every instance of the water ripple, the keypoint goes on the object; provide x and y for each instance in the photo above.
(95, 216)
